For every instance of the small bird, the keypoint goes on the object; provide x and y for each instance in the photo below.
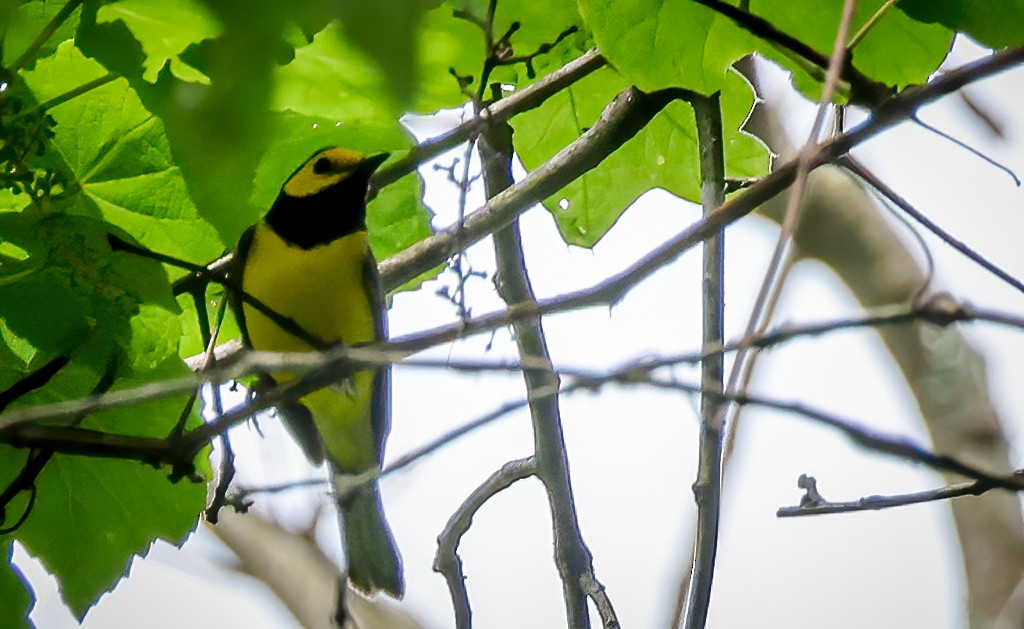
(309, 262)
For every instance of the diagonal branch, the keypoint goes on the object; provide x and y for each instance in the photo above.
(526, 99)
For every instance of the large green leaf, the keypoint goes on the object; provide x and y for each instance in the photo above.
(26, 22)
(165, 30)
(14, 592)
(995, 23)
(332, 77)
(920, 47)
(667, 43)
(663, 155)
(387, 31)
(118, 154)
(91, 516)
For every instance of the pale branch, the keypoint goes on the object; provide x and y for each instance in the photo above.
(156, 451)
(814, 504)
(941, 310)
(622, 119)
(597, 593)
(707, 487)
(447, 560)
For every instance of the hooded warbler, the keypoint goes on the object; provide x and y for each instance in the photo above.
(309, 262)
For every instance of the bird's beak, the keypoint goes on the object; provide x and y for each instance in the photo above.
(373, 162)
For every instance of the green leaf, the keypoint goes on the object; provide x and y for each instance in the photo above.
(72, 287)
(217, 132)
(663, 155)
(91, 516)
(111, 44)
(666, 43)
(921, 47)
(119, 155)
(397, 219)
(18, 598)
(165, 30)
(993, 23)
(386, 31)
(331, 77)
(27, 21)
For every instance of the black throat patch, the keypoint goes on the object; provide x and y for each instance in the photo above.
(323, 217)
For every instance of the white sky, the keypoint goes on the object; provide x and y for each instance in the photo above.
(632, 451)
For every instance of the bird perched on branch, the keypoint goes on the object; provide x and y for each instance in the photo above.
(308, 278)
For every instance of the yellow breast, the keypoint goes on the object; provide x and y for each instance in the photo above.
(322, 289)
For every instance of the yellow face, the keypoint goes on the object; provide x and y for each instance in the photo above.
(323, 170)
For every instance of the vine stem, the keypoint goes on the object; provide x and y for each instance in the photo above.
(44, 35)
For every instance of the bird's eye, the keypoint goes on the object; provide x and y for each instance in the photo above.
(322, 165)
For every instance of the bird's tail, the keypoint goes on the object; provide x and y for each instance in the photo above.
(373, 560)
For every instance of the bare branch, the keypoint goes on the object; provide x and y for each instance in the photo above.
(447, 561)
(708, 485)
(869, 178)
(820, 506)
(572, 556)
(526, 99)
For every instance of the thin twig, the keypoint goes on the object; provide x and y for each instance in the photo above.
(869, 178)
(75, 92)
(967, 147)
(874, 503)
(157, 451)
(870, 24)
(938, 311)
(526, 99)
